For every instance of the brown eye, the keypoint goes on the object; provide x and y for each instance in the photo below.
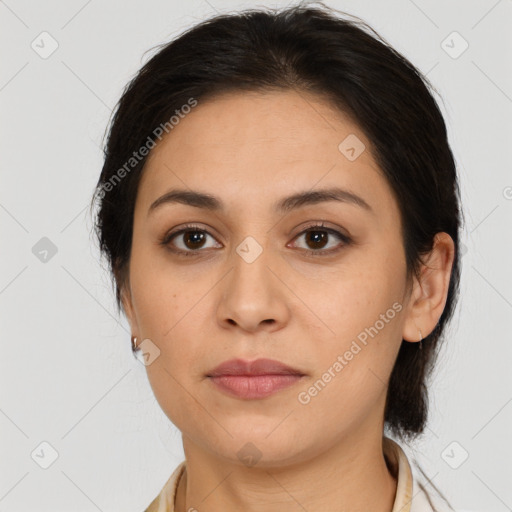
(188, 241)
(193, 239)
(317, 238)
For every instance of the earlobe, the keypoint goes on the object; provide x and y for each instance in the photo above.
(430, 292)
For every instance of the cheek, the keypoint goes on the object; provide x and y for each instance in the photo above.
(363, 314)
(175, 313)
(352, 368)
(351, 300)
(168, 317)
(162, 295)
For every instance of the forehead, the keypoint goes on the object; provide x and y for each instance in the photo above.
(254, 147)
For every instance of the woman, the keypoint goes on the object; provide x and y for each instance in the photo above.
(279, 207)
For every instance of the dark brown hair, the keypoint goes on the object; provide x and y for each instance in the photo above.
(310, 49)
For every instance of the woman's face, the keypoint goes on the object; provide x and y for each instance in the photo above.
(245, 286)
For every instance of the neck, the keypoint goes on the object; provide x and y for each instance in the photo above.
(353, 476)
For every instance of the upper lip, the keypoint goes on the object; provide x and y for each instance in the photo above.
(256, 367)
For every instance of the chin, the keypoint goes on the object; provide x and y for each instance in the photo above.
(261, 450)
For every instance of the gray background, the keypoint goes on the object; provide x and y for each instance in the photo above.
(68, 377)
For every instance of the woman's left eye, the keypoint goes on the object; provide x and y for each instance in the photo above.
(318, 238)
(193, 238)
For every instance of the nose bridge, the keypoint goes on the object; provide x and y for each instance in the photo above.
(251, 259)
(251, 295)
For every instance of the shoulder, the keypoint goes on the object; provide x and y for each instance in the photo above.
(164, 501)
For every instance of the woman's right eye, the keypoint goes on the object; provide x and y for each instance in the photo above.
(188, 240)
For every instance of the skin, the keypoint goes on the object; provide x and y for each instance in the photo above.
(250, 150)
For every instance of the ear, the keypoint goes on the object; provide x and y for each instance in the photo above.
(126, 300)
(430, 292)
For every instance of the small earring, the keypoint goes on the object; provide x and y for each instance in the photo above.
(421, 337)
(134, 342)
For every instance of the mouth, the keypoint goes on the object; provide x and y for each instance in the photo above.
(253, 379)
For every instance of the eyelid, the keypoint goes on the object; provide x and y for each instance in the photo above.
(321, 226)
(171, 234)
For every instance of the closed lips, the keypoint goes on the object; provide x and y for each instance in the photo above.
(261, 366)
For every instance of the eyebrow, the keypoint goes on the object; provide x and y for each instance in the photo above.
(212, 203)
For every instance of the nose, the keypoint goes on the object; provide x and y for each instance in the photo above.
(253, 295)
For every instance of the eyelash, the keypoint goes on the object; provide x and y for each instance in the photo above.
(166, 239)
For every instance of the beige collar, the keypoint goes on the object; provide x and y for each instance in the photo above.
(401, 469)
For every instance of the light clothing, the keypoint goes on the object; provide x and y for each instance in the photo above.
(411, 492)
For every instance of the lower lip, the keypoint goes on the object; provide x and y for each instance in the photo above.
(253, 387)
